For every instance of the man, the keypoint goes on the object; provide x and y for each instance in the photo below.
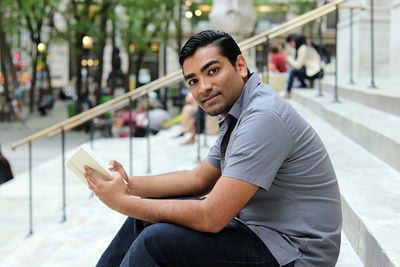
(273, 198)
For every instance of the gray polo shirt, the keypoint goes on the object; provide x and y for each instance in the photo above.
(296, 210)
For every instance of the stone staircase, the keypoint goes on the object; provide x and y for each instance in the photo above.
(90, 225)
(362, 134)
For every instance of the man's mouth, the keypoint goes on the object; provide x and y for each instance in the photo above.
(210, 98)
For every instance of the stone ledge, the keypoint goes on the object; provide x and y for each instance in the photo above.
(387, 100)
(370, 192)
(376, 131)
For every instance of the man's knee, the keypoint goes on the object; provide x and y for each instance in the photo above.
(158, 237)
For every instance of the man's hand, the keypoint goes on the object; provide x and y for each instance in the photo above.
(115, 166)
(111, 192)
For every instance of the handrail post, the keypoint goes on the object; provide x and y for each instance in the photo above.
(148, 134)
(372, 48)
(64, 203)
(91, 125)
(336, 98)
(320, 94)
(130, 137)
(351, 46)
(30, 233)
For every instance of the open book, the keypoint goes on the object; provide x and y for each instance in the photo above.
(86, 156)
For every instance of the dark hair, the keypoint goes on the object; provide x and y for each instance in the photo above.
(274, 49)
(300, 40)
(290, 37)
(227, 46)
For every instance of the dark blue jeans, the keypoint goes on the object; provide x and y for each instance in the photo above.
(163, 244)
(301, 75)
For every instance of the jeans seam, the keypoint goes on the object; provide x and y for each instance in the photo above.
(269, 261)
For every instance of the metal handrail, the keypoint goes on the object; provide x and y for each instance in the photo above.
(110, 105)
(174, 76)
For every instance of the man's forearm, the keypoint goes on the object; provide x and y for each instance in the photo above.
(188, 213)
(174, 184)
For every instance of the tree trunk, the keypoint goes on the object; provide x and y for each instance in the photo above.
(79, 91)
(33, 84)
(130, 71)
(47, 68)
(5, 75)
(71, 70)
(102, 44)
(3, 62)
(138, 65)
(13, 70)
(7, 65)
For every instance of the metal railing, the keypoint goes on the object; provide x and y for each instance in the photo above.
(174, 77)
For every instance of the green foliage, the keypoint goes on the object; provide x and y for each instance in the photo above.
(300, 7)
(9, 16)
(143, 22)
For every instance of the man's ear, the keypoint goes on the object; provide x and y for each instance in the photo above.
(241, 66)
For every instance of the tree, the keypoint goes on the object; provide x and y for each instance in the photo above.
(301, 7)
(8, 23)
(87, 18)
(144, 22)
(35, 14)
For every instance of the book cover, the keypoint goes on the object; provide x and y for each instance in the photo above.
(84, 155)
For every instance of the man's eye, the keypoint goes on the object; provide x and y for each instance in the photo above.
(192, 82)
(212, 71)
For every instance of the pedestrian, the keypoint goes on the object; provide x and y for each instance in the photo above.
(306, 65)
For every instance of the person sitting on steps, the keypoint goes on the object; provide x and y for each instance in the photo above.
(306, 64)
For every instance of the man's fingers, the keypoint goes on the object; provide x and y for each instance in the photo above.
(114, 165)
(90, 177)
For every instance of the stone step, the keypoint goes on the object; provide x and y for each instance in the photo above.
(376, 131)
(90, 225)
(370, 188)
(385, 98)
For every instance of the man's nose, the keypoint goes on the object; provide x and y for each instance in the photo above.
(205, 86)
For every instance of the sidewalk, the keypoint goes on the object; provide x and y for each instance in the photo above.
(43, 149)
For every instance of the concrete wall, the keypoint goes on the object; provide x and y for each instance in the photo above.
(362, 40)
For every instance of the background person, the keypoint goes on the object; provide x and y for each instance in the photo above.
(277, 60)
(306, 64)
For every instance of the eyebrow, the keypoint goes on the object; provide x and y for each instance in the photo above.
(207, 65)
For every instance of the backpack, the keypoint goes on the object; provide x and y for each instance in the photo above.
(323, 53)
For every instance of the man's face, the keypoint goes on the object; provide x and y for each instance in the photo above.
(215, 84)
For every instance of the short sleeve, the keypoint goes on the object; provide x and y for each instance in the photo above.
(214, 155)
(257, 148)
